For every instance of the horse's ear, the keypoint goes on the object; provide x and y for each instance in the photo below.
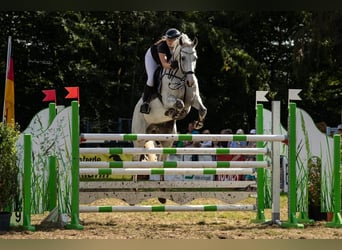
(181, 41)
(195, 42)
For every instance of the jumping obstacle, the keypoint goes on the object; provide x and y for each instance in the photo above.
(76, 187)
(116, 189)
(174, 167)
(170, 168)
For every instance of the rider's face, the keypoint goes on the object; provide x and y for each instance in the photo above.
(170, 42)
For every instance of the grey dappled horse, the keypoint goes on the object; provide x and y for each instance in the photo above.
(178, 92)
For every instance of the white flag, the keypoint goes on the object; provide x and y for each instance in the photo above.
(293, 94)
(260, 96)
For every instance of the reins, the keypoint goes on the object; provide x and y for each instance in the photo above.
(172, 73)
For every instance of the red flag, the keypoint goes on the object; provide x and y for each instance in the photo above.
(73, 93)
(50, 95)
(8, 109)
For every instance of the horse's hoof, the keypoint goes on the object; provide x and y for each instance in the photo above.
(171, 112)
(162, 200)
(198, 125)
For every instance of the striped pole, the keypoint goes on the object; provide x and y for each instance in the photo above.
(88, 137)
(74, 223)
(52, 182)
(27, 183)
(217, 151)
(276, 163)
(337, 221)
(292, 193)
(260, 216)
(162, 171)
(167, 208)
(175, 164)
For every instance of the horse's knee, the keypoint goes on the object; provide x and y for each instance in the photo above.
(179, 104)
(203, 111)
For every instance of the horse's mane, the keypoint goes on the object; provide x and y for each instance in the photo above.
(184, 40)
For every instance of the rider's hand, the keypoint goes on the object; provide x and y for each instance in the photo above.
(174, 64)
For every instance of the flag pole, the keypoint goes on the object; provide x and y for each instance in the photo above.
(8, 108)
(7, 68)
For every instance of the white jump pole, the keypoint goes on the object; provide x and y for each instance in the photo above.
(276, 163)
(166, 208)
(175, 164)
(164, 171)
(89, 137)
(216, 151)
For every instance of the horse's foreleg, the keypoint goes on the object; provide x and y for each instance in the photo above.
(173, 106)
(202, 111)
(194, 99)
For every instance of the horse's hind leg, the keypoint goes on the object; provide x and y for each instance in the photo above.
(163, 158)
(162, 200)
(147, 157)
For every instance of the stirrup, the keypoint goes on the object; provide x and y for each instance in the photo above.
(145, 108)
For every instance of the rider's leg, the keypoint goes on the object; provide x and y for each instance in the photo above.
(150, 66)
(145, 107)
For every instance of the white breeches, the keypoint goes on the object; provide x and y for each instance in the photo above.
(150, 66)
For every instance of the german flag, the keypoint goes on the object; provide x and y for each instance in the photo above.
(8, 111)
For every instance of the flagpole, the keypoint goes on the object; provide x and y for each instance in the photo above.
(9, 47)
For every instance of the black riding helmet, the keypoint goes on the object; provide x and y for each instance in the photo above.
(172, 33)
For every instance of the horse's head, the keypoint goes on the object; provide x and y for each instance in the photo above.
(186, 55)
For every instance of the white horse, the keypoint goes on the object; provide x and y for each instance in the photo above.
(177, 93)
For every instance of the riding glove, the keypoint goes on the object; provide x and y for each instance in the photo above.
(174, 64)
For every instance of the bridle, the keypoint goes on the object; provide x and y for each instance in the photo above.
(182, 51)
(177, 55)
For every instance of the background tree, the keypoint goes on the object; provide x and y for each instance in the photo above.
(239, 52)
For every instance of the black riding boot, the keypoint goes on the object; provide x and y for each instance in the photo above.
(145, 107)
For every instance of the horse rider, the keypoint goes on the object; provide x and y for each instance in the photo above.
(158, 55)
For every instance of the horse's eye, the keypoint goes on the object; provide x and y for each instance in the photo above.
(183, 58)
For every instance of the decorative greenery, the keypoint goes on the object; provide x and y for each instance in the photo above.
(314, 181)
(8, 167)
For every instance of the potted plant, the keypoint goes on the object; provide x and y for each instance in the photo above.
(8, 172)
(314, 189)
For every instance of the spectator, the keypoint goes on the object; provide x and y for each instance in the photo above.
(206, 144)
(192, 130)
(228, 157)
(223, 144)
(239, 144)
(251, 144)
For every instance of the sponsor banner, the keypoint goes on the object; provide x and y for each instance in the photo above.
(106, 158)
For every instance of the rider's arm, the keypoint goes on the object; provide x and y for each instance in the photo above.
(163, 60)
